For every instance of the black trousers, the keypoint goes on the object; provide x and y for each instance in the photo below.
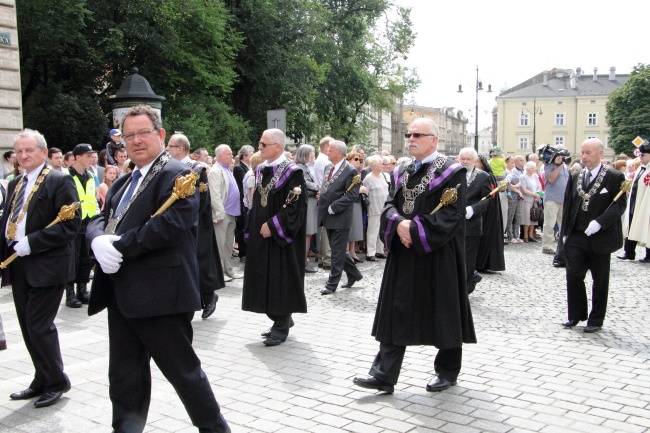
(240, 226)
(580, 258)
(36, 309)
(281, 325)
(83, 263)
(341, 259)
(168, 340)
(388, 363)
(630, 249)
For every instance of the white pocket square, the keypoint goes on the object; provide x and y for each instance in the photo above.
(603, 191)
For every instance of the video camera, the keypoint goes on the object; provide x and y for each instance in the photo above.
(548, 153)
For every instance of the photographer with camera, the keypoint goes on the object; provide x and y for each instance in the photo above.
(557, 176)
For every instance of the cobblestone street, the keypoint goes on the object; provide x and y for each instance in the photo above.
(526, 374)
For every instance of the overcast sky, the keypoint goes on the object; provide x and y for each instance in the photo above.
(511, 41)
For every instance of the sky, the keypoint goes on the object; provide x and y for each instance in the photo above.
(511, 41)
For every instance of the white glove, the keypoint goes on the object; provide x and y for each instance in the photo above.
(108, 257)
(22, 248)
(592, 228)
(330, 210)
(469, 212)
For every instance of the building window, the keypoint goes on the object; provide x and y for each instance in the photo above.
(524, 119)
(589, 137)
(560, 102)
(523, 142)
(559, 119)
(559, 140)
(607, 142)
(592, 119)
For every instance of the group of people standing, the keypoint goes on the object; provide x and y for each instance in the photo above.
(160, 261)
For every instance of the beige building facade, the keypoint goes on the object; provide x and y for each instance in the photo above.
(556, 107)
(451, 122)
(11, 117)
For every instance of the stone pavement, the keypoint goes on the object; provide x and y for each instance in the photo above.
(526, 374)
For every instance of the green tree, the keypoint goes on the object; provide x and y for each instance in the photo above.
(628, 110)
(75, 54)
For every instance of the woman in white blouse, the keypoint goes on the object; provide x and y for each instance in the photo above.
(377, 194)
(531, 188)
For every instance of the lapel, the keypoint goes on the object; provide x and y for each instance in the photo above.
(40, 194)
(115, 199)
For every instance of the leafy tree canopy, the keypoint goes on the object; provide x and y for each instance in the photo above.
(628, 110)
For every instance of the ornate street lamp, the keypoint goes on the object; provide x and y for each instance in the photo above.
(479, 86)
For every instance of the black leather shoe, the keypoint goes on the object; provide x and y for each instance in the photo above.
(371, 259)
(267, 333)
(48, 399)
(570, 323)
(272, 340)
(357, 260)
(380, 256)
(372, 382)
(625, 257)
(591, 329)
(438, 384)
(558, 264)
(645, 260)
(25, 395)
(209, 309)
(327, 291)
(351, 282)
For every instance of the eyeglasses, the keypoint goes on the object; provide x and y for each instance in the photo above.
(417, 135)
(142, 135)
(355, 159)
(173, 145)
(261, 143)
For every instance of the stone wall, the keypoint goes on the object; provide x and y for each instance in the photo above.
(11, 116)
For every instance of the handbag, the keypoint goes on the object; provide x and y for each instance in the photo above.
(365, 200)
(536, 212)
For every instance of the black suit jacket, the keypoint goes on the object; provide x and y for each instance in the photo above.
(476, 190)
(52, 256)
(610, 236)
(336, 197)
(159, 271)
(238, 172)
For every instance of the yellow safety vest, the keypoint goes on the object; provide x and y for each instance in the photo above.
(89, 207)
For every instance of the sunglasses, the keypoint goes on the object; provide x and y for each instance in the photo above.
(261, 143)
(354, 159)
(417, 135)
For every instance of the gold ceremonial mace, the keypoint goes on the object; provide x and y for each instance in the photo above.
(292, 196)
(500, 187)
(66, 213)
(184, 186)
(449, 196)
(355, 180)
(626, 186)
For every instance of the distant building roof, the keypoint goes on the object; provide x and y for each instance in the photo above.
(566, 82)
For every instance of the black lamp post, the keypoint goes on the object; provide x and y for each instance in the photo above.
(479, 86)
(536, 111)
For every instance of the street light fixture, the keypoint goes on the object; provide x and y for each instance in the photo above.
(479, 86)
(536, 111)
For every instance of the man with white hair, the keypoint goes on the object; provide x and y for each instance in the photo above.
(478, 186)
(210, 271)
(224, 196)
(337, 195)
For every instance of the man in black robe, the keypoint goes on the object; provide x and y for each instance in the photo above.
(423, 298)
(478, 186)
(210, 271)
(274, 277)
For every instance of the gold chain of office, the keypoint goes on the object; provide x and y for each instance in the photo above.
(13, 226)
